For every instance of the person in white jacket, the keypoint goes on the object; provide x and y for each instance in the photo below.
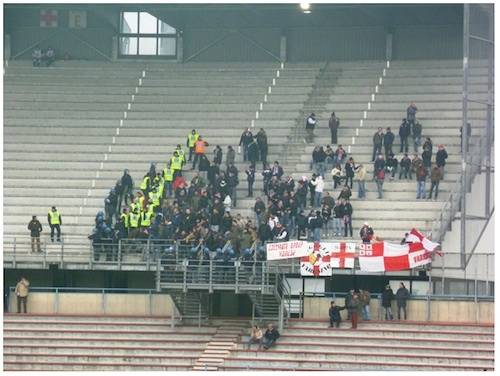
(319, 185)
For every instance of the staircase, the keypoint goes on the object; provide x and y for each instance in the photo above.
(223, 341)
(267, 307)
(192, 305)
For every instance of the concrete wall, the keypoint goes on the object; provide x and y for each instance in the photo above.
(441, 310)
(97, 304)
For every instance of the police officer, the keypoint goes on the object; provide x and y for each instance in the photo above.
(133, 221)
(55, 222)
(191, 140)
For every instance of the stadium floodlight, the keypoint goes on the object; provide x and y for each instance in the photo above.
(305, 7)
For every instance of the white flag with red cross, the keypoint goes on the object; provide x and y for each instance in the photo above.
(48, 18)
(342, 254)
(317, 263)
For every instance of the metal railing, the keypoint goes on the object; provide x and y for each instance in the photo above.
(102, 291)
(429, 297)
(476, 157)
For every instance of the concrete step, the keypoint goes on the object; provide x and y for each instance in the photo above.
(97, 366)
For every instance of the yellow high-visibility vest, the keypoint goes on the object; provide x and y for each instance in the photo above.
(168, 174)
(146, 218)
(176, 163)
(192, 138)
(124, 218)
(55, 217)
(134, 220)
(154, 198)
(144, 183)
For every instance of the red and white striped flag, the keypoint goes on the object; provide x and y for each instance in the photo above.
(342, 254)
(48, 18)
(383, 256)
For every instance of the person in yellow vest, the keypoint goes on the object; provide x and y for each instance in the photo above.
(145, 184)
(134, 222)
(146, 217)
(124, 217)
(181, 153)
(168, 176)
(159, 183)
(55, 222)
(199, 150)
(154, 198)
(176, 165)
(191, 140)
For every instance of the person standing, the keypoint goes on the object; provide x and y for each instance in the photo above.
(338, 216)
(199, 150)
(127, 186)
(22, 291)
(250, 171)
(319, 185)
(232, 182)
(388, 141)
(35, 228)
(218, 155)
(378, 139)
(347, 217)
(253, 152)
(361, 179)
(380, 177)
(402, 296)
(387, 297)
(427, 158)
(421, 175)
(230, 156)
(55, 222)
(190, 142)
(245, 139)
(334, 124)
(364, 297)
(262, 142)
(310, 125)
(411, 113)
(436, 177)
(405, 167)
(441, 157)
(416, 131)
(349, 172)
(404, 132)
(334, 314)
(354, 307)
(347, 302)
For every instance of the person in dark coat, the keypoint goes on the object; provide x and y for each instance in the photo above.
(354, 308)
(347, 301)
(262, 142)
(250, 171)
(402, 296)
(253, 152)
(333, 124)
(245, 139)
(388, 141)
(441, 157)
(378, 140)
(270, 336)
(334, 314)
(404, 132)
(387, 297)
(301, 226)
(411, 113)
(405, 167)
(35, 228)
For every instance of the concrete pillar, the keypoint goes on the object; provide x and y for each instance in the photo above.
(283, 48)
(114, 48)
(6, 47)
(388, 46)
(180, 48)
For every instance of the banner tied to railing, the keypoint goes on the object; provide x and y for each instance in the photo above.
(320, 258)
